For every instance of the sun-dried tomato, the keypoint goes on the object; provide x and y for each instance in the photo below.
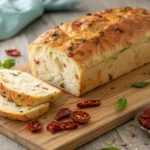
(34, 126)
(62, 113)
(89, 103)
(145, 119)
(53, 127)
(146, 114)
(145, 122)
(13, 52)
(68, 125)
(80, 117)
(36, 61)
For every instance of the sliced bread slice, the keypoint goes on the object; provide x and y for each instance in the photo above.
(25, 89)
(23, 113)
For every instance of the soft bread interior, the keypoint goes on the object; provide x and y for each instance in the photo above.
(75, 81)
(55, 68)
(14, 108)
(23, 82)
(16, 112)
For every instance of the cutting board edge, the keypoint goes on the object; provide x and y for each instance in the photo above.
(68, 146)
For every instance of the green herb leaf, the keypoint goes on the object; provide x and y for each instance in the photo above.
(121, 103)
(110, 148)
(126, 47)
(8, 63)
(17, 105)
(62, 85)
(140, 84)
(14, 74)
(1, 64)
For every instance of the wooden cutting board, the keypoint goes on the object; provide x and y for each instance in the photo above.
(103, 118)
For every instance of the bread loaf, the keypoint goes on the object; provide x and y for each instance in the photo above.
(14, 111)
(83, 54)
(24, 89)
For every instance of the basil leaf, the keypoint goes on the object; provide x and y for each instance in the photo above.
(1, 64)
(8, 63)
(126, 47)
(110, 148)
(17, 105)
(14, 74)
(140, 84)
(121, 103)
(62, 85)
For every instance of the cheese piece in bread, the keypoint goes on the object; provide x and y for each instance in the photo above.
(13, 111)
(24, 89)
(85, 53)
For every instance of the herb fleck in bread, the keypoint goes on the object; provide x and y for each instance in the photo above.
(85, 53)
(23, 113)
(24, 89)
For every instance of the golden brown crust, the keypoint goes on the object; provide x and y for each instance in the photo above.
(29, 115)
(95, 37)
(24, 99)
(14, 116)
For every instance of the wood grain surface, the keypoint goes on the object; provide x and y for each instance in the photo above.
(47, 21)
(103, 118)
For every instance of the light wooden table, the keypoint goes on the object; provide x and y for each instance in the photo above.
(45, 22)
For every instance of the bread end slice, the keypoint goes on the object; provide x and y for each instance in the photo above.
(23, 113)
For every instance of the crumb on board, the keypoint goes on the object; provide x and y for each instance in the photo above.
(132, 134)
(133, 125)
(112, 88)
(123, 144)
(145, 143)
(112, 141)
(45, 117)
(103, 93)
(2, 118)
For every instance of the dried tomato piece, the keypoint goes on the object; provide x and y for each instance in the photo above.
(145, 122)
(146, 114)
(68, 125)
(89, 103)
(36, 61)
(145, 119)
(80, 117)
(13, 52)
(34, 126)
(62, 113)
(53, 127)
